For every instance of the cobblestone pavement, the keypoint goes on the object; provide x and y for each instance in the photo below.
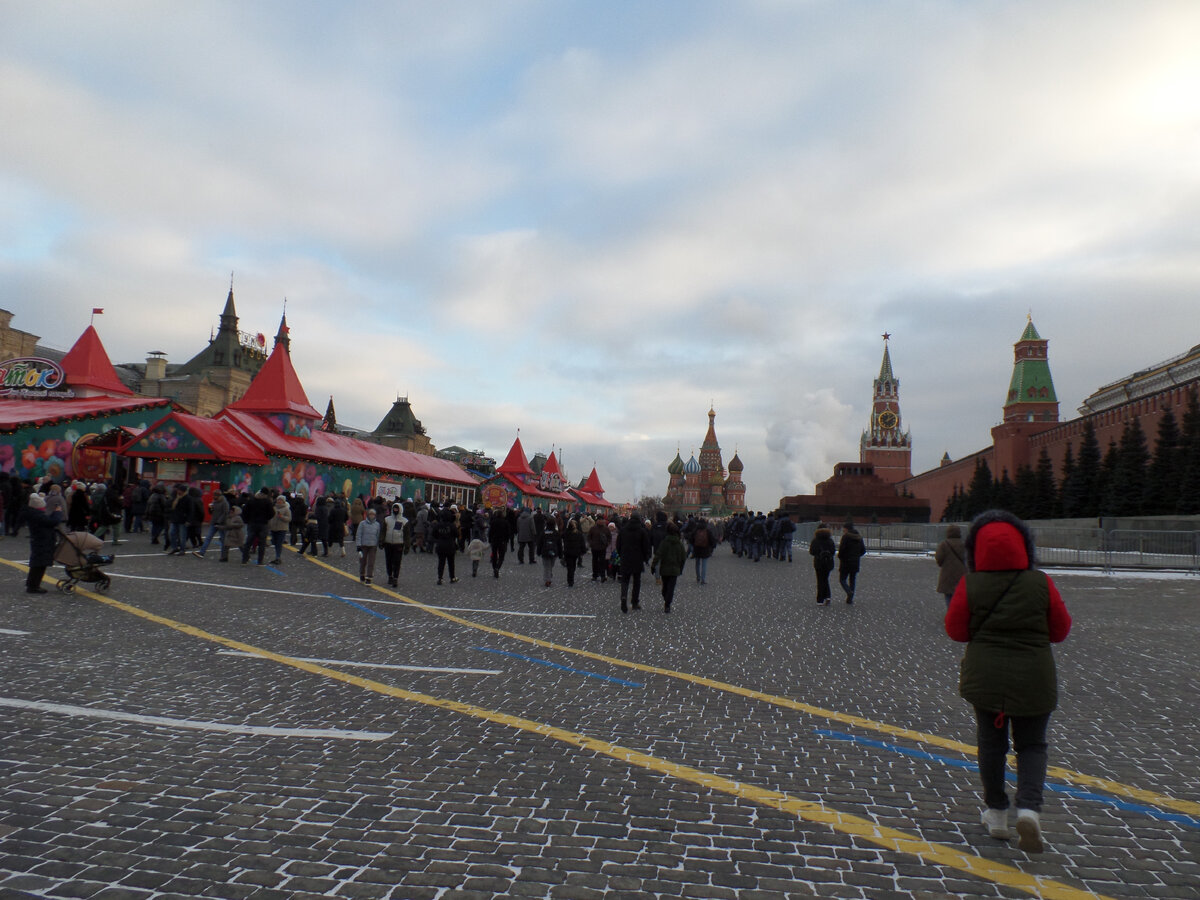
(761, 747)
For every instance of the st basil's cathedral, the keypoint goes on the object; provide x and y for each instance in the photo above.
(700, 487)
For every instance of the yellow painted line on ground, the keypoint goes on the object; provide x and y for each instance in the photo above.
(810, 811)
(1071, 777)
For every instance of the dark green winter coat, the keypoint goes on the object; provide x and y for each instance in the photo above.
(1008, 666)
(1008, 614)
(669, 557)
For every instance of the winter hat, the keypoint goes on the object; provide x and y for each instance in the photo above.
(37, 501)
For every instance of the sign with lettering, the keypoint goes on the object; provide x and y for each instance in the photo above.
(33, 377)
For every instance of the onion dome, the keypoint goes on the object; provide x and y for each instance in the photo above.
(692, 467)
(735, 464)
(676, 466)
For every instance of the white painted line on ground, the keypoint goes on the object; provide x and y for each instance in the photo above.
(219, 584)
(11, 631)
(263, 730)
(242, 587)
(471, 609)
(365, 665)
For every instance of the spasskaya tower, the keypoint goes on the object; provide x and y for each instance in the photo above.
(885, 445)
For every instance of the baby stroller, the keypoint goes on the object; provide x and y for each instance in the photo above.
(76, 550)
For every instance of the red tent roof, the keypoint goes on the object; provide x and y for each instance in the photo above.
(515, 463)
(591, 499)
(276, 388)
(335, 448)
(551, 466)
(87, 365)
(17, 413)
(592, 485)
(213, 440)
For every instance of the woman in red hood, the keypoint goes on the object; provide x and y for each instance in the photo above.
(1008, 614)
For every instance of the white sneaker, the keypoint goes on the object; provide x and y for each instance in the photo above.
(996, 823)
(1029, 831)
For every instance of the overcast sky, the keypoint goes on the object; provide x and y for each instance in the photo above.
(589, 221)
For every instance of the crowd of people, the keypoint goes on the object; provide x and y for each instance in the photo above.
(1005, 611)
(181, 520)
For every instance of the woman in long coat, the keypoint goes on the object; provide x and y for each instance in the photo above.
(79, 512)
(322, 513)
(598, 540)
(633, 547)
(574, 545)
(41, 541)
(823, 551)
(337, 524)
(445, 541)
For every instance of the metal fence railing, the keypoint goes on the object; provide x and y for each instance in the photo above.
(1056, 545)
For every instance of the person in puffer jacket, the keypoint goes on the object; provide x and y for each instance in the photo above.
(1008, 614)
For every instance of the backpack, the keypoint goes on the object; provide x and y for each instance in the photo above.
(701, 538)
(825, 559)
(549, 545)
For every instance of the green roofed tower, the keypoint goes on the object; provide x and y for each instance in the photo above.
(1031, 396)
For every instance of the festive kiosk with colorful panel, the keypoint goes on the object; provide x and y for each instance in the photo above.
(52, 413)
(516, 484)
(272, 437)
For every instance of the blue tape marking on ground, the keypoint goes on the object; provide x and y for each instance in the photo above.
(1077, 793)
(365, 609)
(553, 665)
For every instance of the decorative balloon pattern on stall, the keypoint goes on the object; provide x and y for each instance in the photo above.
(54, 450)
(172, 438)
(310, 479)
(293, 425)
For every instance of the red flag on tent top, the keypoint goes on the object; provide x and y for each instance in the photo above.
(96, 310)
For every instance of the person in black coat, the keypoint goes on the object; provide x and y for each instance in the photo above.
(574, 546)
(257, 514)
(499, 536)
(850, 550)
(42, 528)
(339, 514)
(79, 512)
(322, 511)
(445, 542)
(633, 546)
(823, 550)
(179, 514)
(299, 508)
(658, 531)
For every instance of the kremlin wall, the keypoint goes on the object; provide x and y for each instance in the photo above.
(881, 487)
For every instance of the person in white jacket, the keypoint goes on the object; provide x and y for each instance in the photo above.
(395, 543)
